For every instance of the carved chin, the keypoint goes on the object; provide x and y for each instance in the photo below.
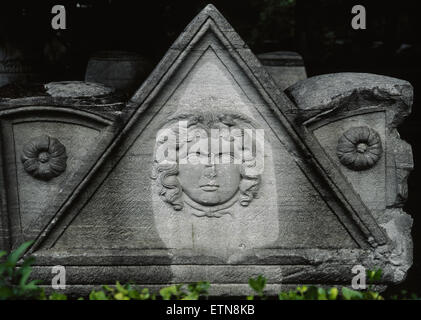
(216, 210)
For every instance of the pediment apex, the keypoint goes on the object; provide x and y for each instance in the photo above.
(310, 154)
(310, 157)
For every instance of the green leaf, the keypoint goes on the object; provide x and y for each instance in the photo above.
(121, 296)
(191, 296)
(321, 294)
(98, 295)
(302, 290)
(349, 294)
(167, 292)
(134, 294)
(311, 293)
(32, 285)
(26, 272)
(121, 289)
(200, 287)
(378, 275)
(2, 268)
(5, 293)
(293, 294)
(42, 295)
(374, 275)
(108, 288)
(258, 284)
(27, 262)
(371, 295)
(16, 254)
(57, 296)
(145, 295)
(194, 290)
(333, 293)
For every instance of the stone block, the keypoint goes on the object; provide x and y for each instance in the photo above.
(211, 172)
(286, 67)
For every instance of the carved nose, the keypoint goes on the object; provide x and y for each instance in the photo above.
(211, 161)
(210, 171)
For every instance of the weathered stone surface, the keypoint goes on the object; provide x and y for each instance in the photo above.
(355, 90)
(123, 71)
(76, 89)
(285, 67)
(48, 144)
(107, 105)
(334, 103)
(279, 202)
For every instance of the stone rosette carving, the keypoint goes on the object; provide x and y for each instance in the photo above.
(359, 148)
(44, 157)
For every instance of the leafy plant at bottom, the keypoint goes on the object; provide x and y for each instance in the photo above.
(192, 291)
(318, 293)
(258, 285)
(404, 295)
(15, 284)
(14, 279)
(121, 292)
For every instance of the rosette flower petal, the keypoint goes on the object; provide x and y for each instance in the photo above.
(359, 148)
(44, 157)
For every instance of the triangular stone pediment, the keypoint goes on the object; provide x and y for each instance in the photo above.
(300, 200)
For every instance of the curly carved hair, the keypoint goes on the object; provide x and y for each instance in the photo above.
(166, 173)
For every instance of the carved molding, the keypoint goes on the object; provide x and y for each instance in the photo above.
(359, 148)
(44, 157)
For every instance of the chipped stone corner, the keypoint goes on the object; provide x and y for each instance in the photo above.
(395, 221)
(395, 257)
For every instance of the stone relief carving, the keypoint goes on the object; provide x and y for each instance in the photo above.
(207, 181)
(359, 148)
(44, 157)
(317, 99)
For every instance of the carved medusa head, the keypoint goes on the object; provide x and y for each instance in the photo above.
(208, 161)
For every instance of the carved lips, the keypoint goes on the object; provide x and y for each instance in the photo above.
(209, 187)
(44, 157)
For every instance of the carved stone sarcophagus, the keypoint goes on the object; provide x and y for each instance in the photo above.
(211, 173)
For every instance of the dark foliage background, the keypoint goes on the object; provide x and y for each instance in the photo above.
(320, 30)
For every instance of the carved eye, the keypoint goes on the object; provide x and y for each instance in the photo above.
(219, 158)
(193, 157)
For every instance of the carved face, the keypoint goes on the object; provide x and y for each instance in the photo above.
(208, 183)
(208, 158)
